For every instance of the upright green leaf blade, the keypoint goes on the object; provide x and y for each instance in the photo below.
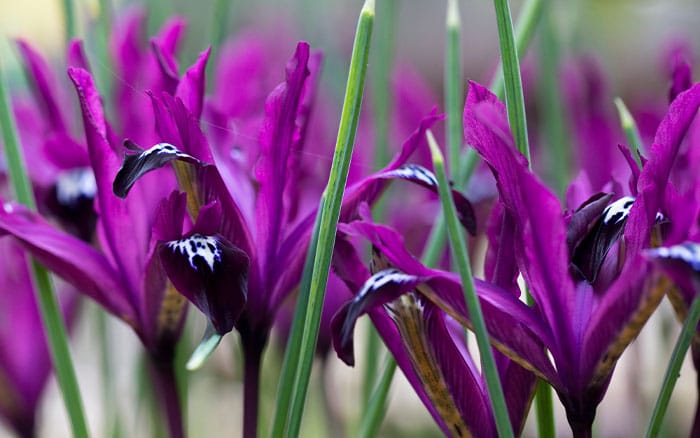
(54, 327)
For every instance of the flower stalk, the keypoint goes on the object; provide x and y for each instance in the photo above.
(372, 419)
(629, 126)
(53, 324)
(458, 248)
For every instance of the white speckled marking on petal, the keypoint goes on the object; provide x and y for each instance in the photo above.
(688, 252)
(75, 183)
(619, 210)
(381, 279)
(413, 171)
(166, 149)
(206, 247)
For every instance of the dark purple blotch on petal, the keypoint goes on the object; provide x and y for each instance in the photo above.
(71, 201)
(136, 165)
(381, 288)
(211, 273)
(590, 252)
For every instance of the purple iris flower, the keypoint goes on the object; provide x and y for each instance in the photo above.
(63, 182)
(580, 324)
(679, 257)
(590, 323)
(681, 262)
(238, 265)
(419, 313)
(25, 363)
(125, 274)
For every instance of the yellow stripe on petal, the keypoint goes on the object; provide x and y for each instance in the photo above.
(172, 308)
(9, 399)
(186, 179)
(433, 297)
(409, 317)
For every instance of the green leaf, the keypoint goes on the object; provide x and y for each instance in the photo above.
(53, 324)
(458, 246)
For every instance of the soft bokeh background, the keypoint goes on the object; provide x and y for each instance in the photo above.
(627, 37)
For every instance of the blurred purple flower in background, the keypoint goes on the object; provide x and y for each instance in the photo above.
(123, 275)
(25, 364)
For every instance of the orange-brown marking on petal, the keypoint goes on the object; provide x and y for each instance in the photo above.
(646, 307)
(186, 179)
(409, 318)
(171, 310)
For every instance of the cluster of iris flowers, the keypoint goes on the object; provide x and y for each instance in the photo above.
(172, 196)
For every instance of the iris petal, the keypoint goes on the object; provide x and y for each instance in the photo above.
(211, 273)
(136, 165)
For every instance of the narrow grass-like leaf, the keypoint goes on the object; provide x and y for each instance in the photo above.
(530, 14)
(331, 210)
(291, 353)
(515, 103)
(544, 410)
(382, 57)
(629, 126)
(54, 327)
(374, 414)
(525, 28)
(453, 85)
(460, 256)
(101, 47)
(557, 138)
(220, 25)
(551, 104)
(109, 390)
(674, 368)
(69, 27)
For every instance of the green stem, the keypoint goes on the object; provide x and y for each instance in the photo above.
(460, 256)
(103, 32)
(438, 236)
(331, 209)
(544, 409)
(515, 103)
(220, 27)
(629, 126)
(291, 354)
(674, 367)
(111, 408)
(377, 403)
(382, 60)
(69, 20)
(551, 103)
(524, 31)
(54, 327)
(453, 85)
(555, 130)
(372, 350)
